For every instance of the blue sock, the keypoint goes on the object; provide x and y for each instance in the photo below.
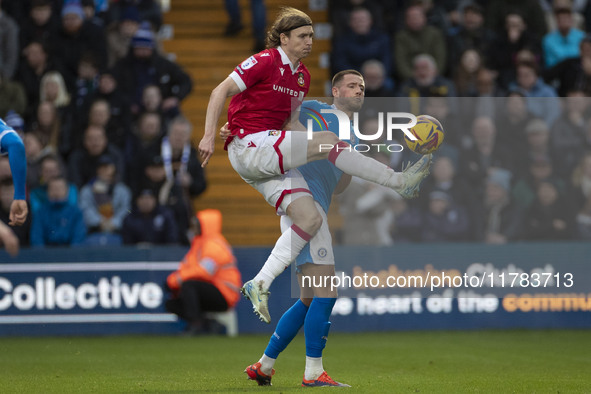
(287, 328)
(317, 325)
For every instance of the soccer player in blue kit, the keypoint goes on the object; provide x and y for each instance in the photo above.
(12, 145)
(315, 305)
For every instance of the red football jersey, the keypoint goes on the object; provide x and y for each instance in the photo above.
(268, 83)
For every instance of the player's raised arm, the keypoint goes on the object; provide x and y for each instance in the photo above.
(216, 103)
(12, 144)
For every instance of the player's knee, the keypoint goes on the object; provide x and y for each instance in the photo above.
(310, 222)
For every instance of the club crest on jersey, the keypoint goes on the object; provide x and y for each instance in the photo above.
(274, 133)
(322, 252)
(248, 63)
(301, 81)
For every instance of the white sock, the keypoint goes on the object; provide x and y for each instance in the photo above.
(287, 248)
(267, 364)
(314, 368)
(354, 163)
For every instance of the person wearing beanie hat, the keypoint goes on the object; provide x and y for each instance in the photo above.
(144, 66)
(73, 9)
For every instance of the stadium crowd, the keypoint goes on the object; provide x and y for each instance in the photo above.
(96, 102)
(510, 81)
(110, 158)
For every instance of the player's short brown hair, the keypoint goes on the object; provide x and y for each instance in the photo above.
(288, 19)
(338, 77)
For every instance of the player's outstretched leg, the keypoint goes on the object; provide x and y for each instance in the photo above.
(254, 292)
(412, 177)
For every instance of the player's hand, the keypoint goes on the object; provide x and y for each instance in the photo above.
(225, 131)
(18, 213)
(9, 240)
(206, 148)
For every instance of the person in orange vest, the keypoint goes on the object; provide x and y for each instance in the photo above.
(207, 279)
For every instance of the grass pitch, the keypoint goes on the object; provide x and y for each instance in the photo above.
(556, 361)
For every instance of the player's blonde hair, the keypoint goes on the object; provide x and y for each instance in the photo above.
(288, 19)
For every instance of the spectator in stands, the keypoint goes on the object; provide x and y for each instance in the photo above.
(53, 90)
(525, 189)
(550, 217)
(207, 279)
(466, 73)
(144, 66)
(83, 161)
(87, 80)
(12, 96)
(152, 102)
(75, 37)
(51, 167)
(510, 40)
(120, 120)
(376, 79)
(57, 222)
(9, 45)
(148, 222)
(538, 144)
(500, 219)
(567, 136)
(149, 10)
(471, 34)
(581, 187)
(169, 194)
(417, 38)
(477, 162)
(363, 42)
(35, 65)
(56, 132)
(564, 42)
(573, 73)
(142, 145)
(120, 33)
(36, 148)
(444, 221)
(511, 122)
(530, 10)
(20, 232)
(542, 99)
(41, 24)
(100, 115)
(104, 201)
(340, 11)
(426, 81)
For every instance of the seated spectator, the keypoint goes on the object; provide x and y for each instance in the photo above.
(83, 161)
(143, 144)
(562, 43)
(466, 73)
(426, 82)
(53, 89)
(207, 279)
(100, 115)
(87, 80)
(103, 201)
(120, 32)
(514, 38)
(471, 34)
(36, 148)
(148, 222)
(541, 98)
(57, 222)
(9, 46)
(376, 79)
(511, 122)
(144, 66)
(573, 73)
(12, 97)
(20, 232)
(48, 125)
(538, 143)
(40, 25)
(417, 38)
(567, 136)
(340, 10)
(530, 11)
(50, 167)
(581, 186)
(525, 189)
(444, 221)
(149, 10)
(363, 42)
(500, 219)
(152, 102)
(75, 37)
(550, 217)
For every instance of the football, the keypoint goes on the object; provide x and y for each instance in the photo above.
(429, 133)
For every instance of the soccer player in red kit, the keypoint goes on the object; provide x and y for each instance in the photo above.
(266, 155)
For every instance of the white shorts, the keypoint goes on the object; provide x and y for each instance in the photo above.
(319, 249)
(268, 160)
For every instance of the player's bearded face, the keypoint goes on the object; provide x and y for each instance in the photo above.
(298, 42)
(350, 93)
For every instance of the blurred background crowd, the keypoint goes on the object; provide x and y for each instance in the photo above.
(110, 158)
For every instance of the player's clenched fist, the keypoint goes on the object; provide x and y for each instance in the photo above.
(18, 213)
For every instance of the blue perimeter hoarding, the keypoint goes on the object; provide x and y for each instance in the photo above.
(104, 291)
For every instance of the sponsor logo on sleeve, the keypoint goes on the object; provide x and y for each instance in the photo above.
(248, 63)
